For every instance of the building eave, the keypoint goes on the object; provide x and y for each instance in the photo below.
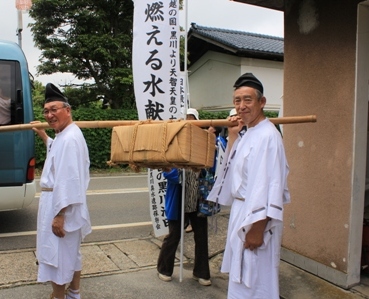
(271, 4)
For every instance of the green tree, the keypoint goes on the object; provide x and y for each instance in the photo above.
(91, 39)
(38, 94)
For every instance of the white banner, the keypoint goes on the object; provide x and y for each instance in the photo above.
(156, 76)
(156, 58)
(157, 190)
(183, 94)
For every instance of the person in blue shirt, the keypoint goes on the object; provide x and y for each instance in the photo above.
(165, 264)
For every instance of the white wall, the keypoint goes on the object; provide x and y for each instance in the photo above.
(270, 73)
(212, 77)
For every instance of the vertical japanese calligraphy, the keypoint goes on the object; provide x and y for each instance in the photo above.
(184, 100)
(156, 76)
(155, 59)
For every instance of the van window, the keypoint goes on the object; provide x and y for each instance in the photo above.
(11, 103)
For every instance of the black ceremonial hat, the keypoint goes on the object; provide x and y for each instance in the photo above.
(248, 79)
(52, 93)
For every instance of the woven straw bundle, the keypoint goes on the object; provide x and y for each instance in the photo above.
(164, 145)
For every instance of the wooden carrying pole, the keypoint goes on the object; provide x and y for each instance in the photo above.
(93, 124)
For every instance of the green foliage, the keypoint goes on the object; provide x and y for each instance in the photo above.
(213, 115)
(82, 96)
(99, 140)
(224, 114)
(271, 114)
(91, 39)
(38, 94)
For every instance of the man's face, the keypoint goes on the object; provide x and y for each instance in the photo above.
(247, 105)
(57, 116)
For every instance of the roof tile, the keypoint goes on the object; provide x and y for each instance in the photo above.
(240, 40)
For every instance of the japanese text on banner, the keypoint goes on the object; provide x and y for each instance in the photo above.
(156, 59)
(156, 75)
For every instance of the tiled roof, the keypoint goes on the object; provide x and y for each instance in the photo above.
(238, 43)
(271, 4)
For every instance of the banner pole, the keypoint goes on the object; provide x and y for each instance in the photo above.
(184, 175)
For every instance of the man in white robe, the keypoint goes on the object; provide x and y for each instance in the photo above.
(254, 182)
(63, 218)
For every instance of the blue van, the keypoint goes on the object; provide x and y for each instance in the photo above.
(17, 149)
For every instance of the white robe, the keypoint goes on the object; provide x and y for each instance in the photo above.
(256, 171)
(66, 171)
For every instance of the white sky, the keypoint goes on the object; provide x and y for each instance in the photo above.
(212, 13)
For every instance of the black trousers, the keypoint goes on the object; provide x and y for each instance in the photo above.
(170, 244)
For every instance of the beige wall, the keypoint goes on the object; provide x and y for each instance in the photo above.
(211, 79)
(326, 180)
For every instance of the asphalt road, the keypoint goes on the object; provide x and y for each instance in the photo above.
(118, 205)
